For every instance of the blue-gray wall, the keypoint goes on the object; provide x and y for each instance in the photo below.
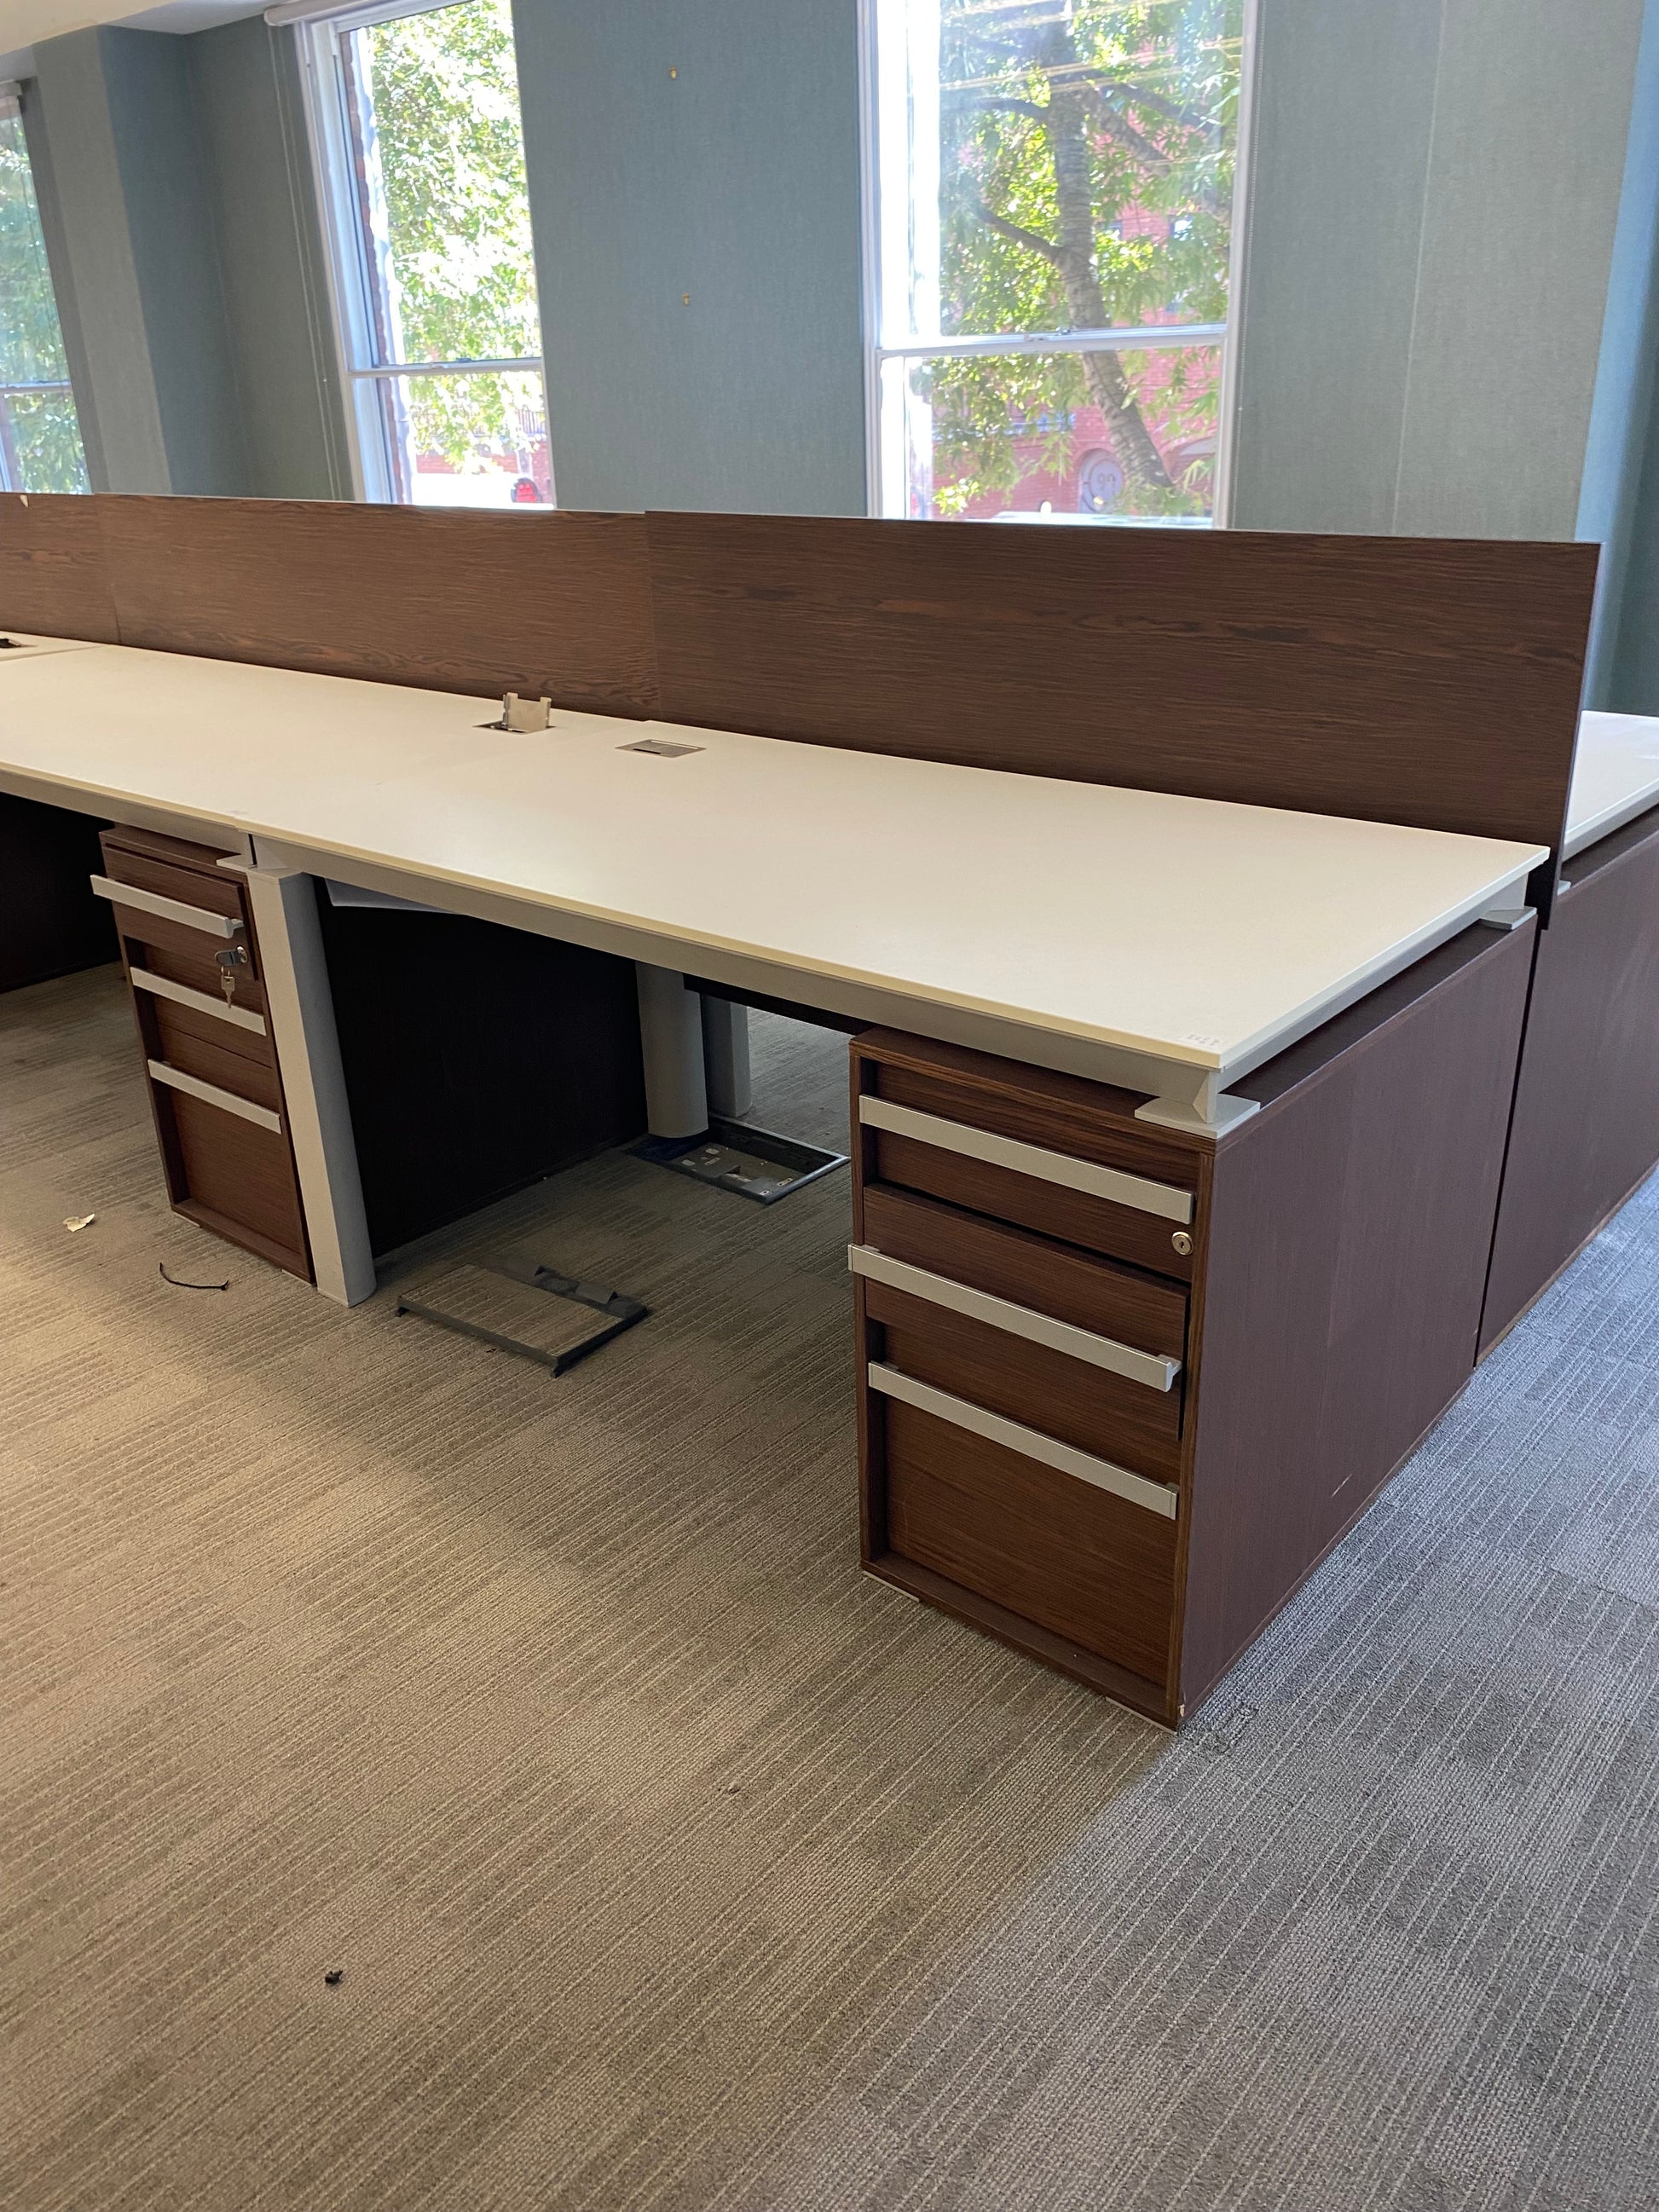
(176, 199)
(1436, 192)
(247, 83)
(735, 180)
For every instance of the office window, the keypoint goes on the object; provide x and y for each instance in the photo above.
(416, 126)
(39, 434)
(1051, 198)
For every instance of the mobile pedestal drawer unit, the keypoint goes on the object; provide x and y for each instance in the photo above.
(1122, 1388)
(192, 960)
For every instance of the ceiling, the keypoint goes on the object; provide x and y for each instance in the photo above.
(25, 23)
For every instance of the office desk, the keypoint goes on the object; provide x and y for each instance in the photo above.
(1179, 1139)
(1586, 1126)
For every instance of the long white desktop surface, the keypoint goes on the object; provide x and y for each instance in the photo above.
(1615, 776)
(1121, 934)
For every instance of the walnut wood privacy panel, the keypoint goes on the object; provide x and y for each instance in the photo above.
(1585, 1130)
(1429, 681)
(534, 601)
(54, 577)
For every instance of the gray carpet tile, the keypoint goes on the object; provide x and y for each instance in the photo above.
(674, 1866)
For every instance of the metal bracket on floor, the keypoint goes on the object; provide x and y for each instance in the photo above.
(749, 1163)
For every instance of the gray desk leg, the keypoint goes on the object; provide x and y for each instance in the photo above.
(726, 1058)
(670, 1031)
(302, 1013)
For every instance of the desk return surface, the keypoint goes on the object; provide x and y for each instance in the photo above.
(1128, 936)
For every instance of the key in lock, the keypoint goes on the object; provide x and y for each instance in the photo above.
(230, 963)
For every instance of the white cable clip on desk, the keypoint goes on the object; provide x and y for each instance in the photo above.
(522, 715)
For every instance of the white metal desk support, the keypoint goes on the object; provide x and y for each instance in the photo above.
(300, 1009)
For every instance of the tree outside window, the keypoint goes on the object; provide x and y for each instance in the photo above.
(422, 145)
(1053, 187)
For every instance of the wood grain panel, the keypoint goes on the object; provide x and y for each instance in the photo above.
(1032, 1271)
(1586, 1125)
(1431, 681)
(1348, 1223)
(53, 575)
(197, 1045)
(536, 602)
(242, 1175)
(1059, 1396)
(1077, 1561)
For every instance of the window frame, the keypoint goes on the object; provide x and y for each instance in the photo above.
(885, 486)
(12, 97)
(351, 284)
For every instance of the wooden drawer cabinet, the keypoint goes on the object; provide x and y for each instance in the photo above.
(215, 1086)
(1120, 1388)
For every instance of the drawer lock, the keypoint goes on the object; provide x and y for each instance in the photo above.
(1182, 1242)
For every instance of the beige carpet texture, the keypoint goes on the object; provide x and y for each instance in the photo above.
(666, 1863)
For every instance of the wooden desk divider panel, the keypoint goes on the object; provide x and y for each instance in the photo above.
(53, 577)
(1585, 1130)
(523, 600)
(1029, 1261)
(1429, 681)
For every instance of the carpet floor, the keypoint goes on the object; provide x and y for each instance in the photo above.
(672, 1864)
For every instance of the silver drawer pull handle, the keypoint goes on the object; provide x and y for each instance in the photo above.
(1030, 1443)
(241, 1018)
(1154, 1369)
(1146, 1197)
(167, 909)
(210, 1094)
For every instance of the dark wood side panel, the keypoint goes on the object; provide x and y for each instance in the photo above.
(53, 577)
(547, 602)
(49, 922)
(1432, 682)
(1349, 1223)
(1586, 1125)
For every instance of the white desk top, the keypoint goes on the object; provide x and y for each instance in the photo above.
(1615, 776)
(1093, 921)
(19, 645)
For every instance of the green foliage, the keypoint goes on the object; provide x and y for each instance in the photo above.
(446, 96)
(1087, 153)
(39, 433)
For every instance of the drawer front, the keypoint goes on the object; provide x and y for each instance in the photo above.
(188, 961)
(1050, 1208)
(214, 1054)
(1052, 1162)
(1075, 1559)
(1029, 1270)
(200, 885)
(233, 1176)
(191, 911)
(1128, 1424)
